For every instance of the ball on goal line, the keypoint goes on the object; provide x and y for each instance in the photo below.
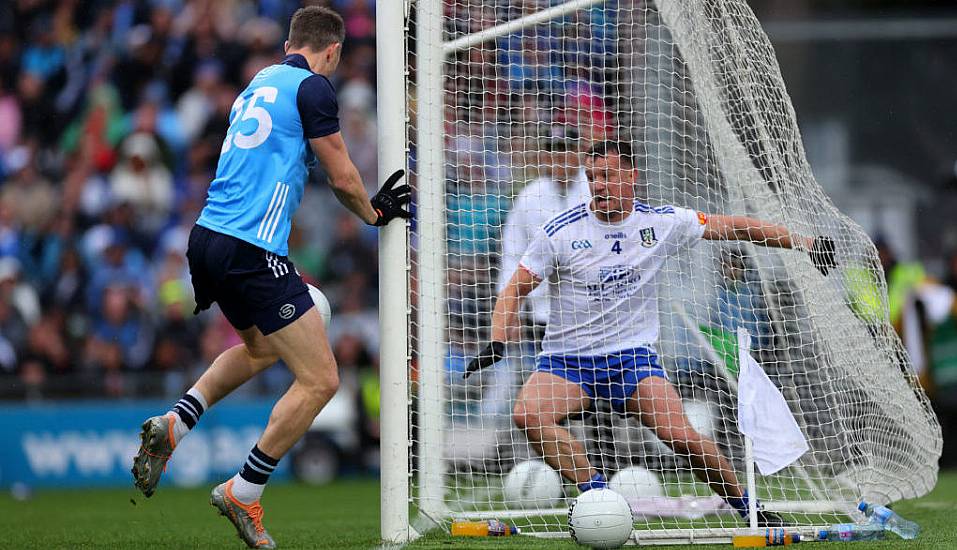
(600, 518)
(322, 304)
(532, 484)
(636, 482)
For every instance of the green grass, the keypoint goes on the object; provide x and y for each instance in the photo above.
(343, 515)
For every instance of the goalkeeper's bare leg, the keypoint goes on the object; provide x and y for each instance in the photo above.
(544, 402)
(657, 404)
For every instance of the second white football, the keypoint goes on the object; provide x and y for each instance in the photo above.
(532, 484)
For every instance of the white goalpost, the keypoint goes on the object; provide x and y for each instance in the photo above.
(491, 105)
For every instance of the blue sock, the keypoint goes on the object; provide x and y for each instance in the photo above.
(597, 481)
(739, 503)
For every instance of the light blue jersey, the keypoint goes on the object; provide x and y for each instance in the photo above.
(262, 167)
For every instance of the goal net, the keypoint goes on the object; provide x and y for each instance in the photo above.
(504, 100)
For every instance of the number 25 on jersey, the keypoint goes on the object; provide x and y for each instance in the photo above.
(244, 110)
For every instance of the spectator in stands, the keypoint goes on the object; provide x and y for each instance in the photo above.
(113, 262)
(13, 327)
(197, 105)
(10, 115)
(360, 374)
(902, 279)
(142, 180)
(476, 205)
(27, 193)
(98, 129)
(740, 301)
(943, 369)
(67, 289)
(47, 343)
(20, 294)
(122, 323)
(561, 185)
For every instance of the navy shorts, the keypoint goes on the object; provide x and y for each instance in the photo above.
(251, 286)
(614, 377)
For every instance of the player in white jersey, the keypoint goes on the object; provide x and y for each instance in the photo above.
(561, 186)
(601, 259)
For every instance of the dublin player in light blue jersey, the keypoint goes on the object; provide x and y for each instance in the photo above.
(601, 260)
(286, 119)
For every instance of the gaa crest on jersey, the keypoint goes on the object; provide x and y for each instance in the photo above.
(581, 244)
(648, 238)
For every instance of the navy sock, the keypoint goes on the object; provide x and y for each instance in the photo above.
(739, 503)
(258, 467)
(189, 410)
(597, 481)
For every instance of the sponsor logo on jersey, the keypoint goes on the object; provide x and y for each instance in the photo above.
(614, 281)
(648, 238)
(581, 245)
(702, 218)
(287, 311)
(619, 235)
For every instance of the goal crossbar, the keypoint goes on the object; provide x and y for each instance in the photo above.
(547, 14)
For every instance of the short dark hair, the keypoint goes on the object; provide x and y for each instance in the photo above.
(621, 148)
(316, 27)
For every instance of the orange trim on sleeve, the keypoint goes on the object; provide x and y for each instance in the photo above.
(702, 218)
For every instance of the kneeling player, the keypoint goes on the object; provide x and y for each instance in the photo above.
(601, 260)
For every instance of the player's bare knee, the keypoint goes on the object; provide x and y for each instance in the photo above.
(322, 387)
(530, 418)
(524, 418)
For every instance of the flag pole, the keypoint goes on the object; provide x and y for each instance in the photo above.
(744, 348)
(752, 490)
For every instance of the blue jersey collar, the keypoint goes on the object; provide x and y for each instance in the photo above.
(297, 60)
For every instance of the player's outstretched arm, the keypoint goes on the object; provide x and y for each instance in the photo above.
(346, 183)
(743, 228)
(505, 322)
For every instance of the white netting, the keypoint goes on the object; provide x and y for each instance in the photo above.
(694, 86)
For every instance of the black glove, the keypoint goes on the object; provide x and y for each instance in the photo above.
(822, 254)
(388, 202)
(492, 354)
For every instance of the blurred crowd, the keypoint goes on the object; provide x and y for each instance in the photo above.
(113, 114)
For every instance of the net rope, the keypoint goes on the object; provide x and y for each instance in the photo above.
(694, 86)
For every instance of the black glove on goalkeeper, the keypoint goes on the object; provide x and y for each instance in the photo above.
(822, 254)
(492, 354)
(388, 202)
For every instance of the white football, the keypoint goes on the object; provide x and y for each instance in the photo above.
(322, 304)
(532, 484)
(636, 482)
(600, 518)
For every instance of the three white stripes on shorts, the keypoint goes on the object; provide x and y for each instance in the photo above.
(279, 268)
(269, 223)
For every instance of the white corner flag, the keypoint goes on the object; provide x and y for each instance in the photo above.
(764, 416)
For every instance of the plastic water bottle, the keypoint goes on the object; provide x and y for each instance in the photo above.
(888, 519)
(848, 532)
(489, 528)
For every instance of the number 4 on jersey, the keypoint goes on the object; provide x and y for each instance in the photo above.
(616, 248)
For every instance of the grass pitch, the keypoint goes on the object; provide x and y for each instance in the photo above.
(343, 515)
